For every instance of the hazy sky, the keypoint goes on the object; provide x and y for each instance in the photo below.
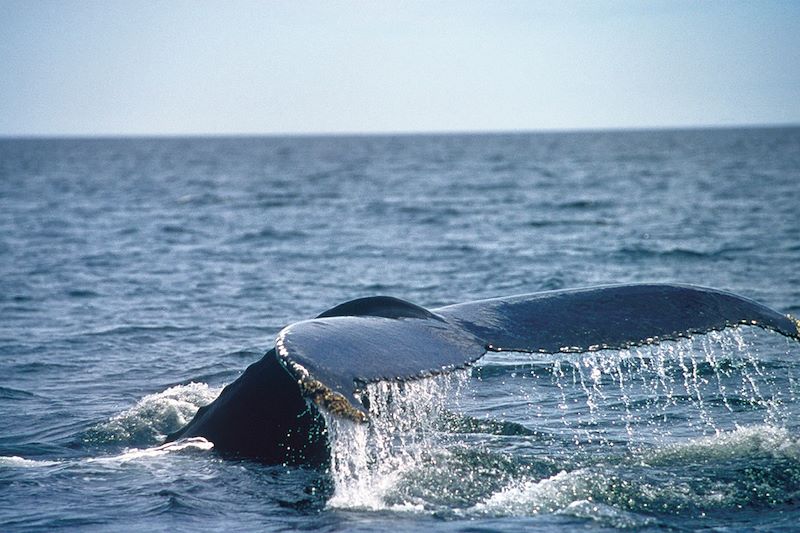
(173, 67)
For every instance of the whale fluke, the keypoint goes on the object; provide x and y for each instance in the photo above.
(610, 317)
(270, 412)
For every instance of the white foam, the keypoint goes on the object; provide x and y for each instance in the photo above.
(526, 498)
(130, 454)
(584, 493)
(134, 454)
(155, 415)
(742, 442)
(20, 462)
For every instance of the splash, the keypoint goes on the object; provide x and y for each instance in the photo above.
(153, 416)
(131, 454)
(404, 434)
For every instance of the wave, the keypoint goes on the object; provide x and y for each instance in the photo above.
(583, 492)
(584, 203)
(741, 444)
(201, 199)
(681, 252)
(553, 222)
(130, 454)
(141, 329)
(82, 293)
(268, 234)
(20, 462)
(9, 393)
(144, 424)
(754, 466)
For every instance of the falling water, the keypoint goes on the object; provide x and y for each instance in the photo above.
(404, 432)
(531, 433)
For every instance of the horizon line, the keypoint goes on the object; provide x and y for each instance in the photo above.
(396, 133)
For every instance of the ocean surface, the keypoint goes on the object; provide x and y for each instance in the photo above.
(139, 276)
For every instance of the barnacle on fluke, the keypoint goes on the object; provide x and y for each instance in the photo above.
(318, 392)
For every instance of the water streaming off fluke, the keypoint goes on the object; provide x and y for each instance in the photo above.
(404, 433)
(485, 441)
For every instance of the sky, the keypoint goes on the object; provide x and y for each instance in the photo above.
(130, 67)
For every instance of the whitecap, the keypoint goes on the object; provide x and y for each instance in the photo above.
(14, 461)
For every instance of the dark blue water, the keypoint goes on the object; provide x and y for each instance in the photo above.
(138, 276)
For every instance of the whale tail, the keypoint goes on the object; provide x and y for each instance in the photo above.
(268, 412)
(378, 339)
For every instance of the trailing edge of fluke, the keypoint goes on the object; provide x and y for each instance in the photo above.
(271, 412)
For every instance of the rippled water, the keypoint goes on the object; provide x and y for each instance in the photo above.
(141, 275)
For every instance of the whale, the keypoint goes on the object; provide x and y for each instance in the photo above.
(273, 412)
